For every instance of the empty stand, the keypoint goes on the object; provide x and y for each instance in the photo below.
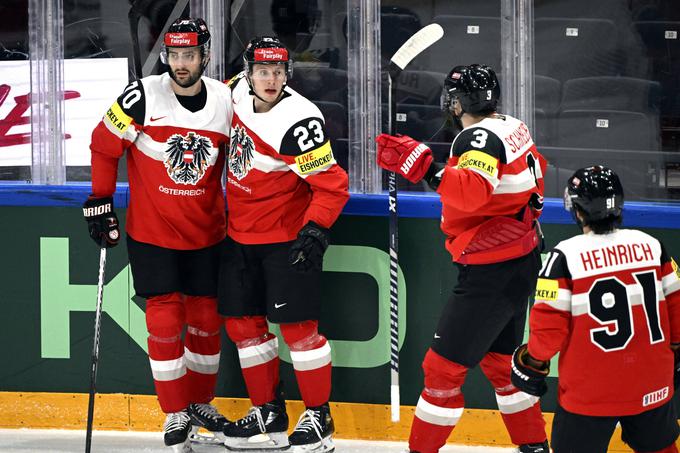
(611, 93)
(467, 40)
(568, 48)
(662, 40)
(607, 130)
(321, 84)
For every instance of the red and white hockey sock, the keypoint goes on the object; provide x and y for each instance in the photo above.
(311, 355)
(440, 405)
(521, 412)
(202, 347)
(165, 317)
(258, 354)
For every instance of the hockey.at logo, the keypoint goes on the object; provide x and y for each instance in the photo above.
(411, 159)
(187, 158)
(241, 151)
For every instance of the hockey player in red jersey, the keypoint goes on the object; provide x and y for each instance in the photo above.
(284, 191)
(491, 191)
(174, 127)
(608, 301)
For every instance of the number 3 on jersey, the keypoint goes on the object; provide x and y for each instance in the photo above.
(480, 138)
(309, 135)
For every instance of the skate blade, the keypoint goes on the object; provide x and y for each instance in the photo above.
(325, 446)
(205, 437)
(184, 447)
(260, 442)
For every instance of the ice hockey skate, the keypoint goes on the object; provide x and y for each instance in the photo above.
(176, 428)
(265, 428)
(534, 448)
(207, 417)
(313, 431)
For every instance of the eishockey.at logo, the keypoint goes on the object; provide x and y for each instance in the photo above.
(241, 151)
(187, 158)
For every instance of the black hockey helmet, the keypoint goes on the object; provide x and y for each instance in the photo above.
(186, 32)
(597, 193)
(266, 50)
(476, 87)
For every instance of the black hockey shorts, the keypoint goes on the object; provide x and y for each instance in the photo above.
(258, 280)
(652, 430)
(157, 270)
(487, 310)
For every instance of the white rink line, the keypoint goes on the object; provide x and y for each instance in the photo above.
(70, 441)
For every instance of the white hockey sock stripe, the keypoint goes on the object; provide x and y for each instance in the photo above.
(517, 402)
(168, 370)
(670, 283)
(201, 363)
(437, 415)
(312, 359)
(257, 355)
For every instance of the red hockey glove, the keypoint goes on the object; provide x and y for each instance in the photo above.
(528, 378)
(102, 222)
(404, 155)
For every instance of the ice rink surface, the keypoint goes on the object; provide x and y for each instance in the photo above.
(61, 441)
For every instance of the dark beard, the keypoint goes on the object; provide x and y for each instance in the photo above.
(190, 82)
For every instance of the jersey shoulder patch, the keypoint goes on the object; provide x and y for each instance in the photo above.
(478, 139)
(479, 150)
(554, 266)
(231, 83)
(129, 106)
(305, 135)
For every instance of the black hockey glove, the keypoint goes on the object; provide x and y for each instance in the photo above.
(102, 221)
(306, 253)
(525, 377)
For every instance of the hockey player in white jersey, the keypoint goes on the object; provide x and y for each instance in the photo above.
(284, 190)
(173, 128)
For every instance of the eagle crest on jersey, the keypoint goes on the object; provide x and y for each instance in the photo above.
(187, 157)
(240, 152)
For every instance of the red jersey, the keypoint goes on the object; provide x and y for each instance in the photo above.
(610, 304)
(282, 172)
(174, 162)
(493, 170)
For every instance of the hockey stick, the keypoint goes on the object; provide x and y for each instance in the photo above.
(416, 44)
(95, 349)
(134, 15)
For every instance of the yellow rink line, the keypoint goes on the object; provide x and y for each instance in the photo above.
(141, 413)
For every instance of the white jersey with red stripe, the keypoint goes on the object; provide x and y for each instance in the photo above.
(282, 173)
(610, 304)
(175, 162)
(493, 170)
